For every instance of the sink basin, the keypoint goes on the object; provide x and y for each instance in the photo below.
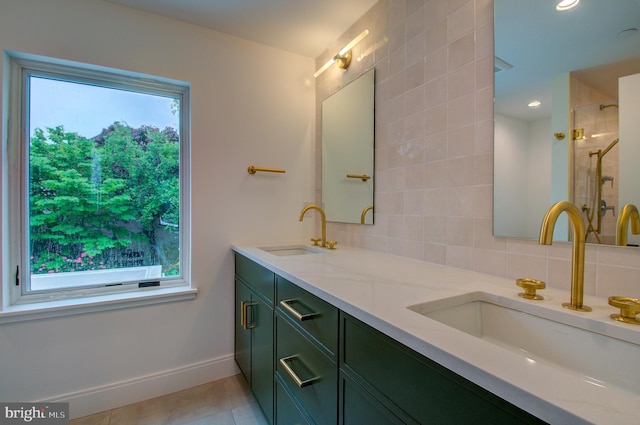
(559, 339)
(285, 251)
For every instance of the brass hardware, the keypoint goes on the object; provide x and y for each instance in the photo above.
(577, 257)
(343, 57)
(344, 60)
(322, 217)
(363, 177)
(301, 317)
(364, 212)
(530, 286)
(315, 241)
(558, 136)
(578, 134)
(628, 214)
(603, 107)
(253, 169)
(629, 308)
(299, 382)
(244, 306)
(331, 244)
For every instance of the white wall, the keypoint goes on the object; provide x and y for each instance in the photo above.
(251, 104)
(511, 173)
(522, 176)
(629, 102)
(539, 174)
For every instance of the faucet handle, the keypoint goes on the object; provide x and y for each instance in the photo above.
(331, 244)
(315, 241)
(530, 286)
(629, 308)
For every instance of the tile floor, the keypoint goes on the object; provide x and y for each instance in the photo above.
(225, 402)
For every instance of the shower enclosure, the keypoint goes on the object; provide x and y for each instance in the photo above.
(595, 169)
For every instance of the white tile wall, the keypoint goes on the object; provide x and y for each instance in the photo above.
(434, 149)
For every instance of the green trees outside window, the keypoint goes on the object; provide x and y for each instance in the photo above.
(105, 202)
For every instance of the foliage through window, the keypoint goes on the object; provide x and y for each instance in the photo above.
(103, 182)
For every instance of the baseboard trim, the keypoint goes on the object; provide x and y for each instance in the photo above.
(110, 396)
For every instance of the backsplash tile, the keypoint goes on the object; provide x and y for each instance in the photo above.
(434, 150)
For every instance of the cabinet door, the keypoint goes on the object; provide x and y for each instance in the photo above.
(414, 384)
(242, 333)
(260, 317)
(358, 407)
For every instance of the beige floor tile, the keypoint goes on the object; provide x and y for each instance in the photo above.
(238, 391)
(225, 402)
(101, 418)
(249, 414)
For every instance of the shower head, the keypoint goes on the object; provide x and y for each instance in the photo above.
(603, 107)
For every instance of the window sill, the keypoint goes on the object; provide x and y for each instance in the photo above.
(70, 307)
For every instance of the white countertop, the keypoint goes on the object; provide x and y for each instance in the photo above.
(377, 288)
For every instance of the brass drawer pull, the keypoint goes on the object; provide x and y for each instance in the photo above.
(244, 306)
(299, 382)
(286, 304)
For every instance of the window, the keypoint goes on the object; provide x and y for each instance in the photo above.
(97, 181)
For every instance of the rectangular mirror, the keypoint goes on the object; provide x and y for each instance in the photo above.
(577, 141)
(348, 150)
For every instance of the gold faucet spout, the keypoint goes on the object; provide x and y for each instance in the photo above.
(322, 217)
(364, 213)
(628, 214)
(577, 257)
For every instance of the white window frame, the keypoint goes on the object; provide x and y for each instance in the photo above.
(17, 305)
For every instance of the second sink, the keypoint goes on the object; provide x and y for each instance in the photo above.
(599, 358)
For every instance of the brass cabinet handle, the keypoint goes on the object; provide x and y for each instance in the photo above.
(286, 304)
(299, 382)
(244, 307)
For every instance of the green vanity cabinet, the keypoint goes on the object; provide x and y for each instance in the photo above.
(309, 363)
(254, 330)
(413, 387)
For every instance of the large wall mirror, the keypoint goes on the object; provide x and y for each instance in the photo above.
(567, 109)
(348, 150)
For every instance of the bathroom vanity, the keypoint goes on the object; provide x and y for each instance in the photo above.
(354, 336)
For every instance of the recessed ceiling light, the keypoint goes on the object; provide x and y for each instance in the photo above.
(566, 4)
(534, 104)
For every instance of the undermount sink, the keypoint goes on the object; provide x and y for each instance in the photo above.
(559, 339)
(285, 251)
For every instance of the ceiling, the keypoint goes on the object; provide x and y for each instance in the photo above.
(542, 43)
(305, 27)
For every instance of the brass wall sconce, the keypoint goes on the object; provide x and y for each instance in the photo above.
(343, 58)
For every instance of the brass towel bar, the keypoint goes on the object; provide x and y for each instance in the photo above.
(253, 169)
(363, 177)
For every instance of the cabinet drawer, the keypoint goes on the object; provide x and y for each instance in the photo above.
(257, 277)
(310, 375)
(312, 315)
(426, 391)
(287, 411)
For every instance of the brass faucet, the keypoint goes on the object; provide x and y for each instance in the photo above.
(628, 214)
(322, 217)
(364, 212)
(577, 257)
